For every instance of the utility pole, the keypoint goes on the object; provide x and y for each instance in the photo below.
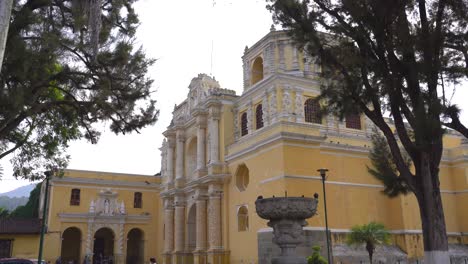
(327, 232)
(48, 174)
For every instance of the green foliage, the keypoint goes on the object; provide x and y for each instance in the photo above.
(371, 235)
(316, 258)
(384, 169)
(56, 87)
(31, 208)
(4, 212)
(397, 59)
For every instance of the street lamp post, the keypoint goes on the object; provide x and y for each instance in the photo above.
(44, 210)
(323, 175)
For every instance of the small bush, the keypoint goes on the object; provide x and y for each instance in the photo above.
(316, 258)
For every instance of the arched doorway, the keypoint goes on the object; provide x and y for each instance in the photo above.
(71, 245)
(191, 232)
(103, 251)
(135, 247)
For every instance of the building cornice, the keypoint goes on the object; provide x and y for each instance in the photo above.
(56, 181)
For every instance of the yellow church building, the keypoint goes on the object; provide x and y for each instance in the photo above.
(220, 152)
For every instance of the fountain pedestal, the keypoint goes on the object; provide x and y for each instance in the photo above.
(287, 216)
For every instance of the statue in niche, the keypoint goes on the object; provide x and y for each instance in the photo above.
(92, 207)
(122, 208)
(106, 207)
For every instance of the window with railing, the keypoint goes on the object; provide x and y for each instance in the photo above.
(353, 121)
(259, 116)
(244, 129)
(312, 111)
(138, 200)
(75, 197)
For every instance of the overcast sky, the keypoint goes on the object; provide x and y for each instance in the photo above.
(183, 36)
(187, 37)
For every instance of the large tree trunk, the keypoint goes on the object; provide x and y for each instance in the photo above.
(5, 12)
(432, 212)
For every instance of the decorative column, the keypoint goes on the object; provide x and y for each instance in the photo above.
(170, 161)
(246, 67)
(286, 107)
(179, 230)
(282, 63)
(235, 111)
(179, 170)
(214, 115)
(168, 230)
(250, 125)
(215, 251)
(273, 105)
(119, 256)
(200, 250)
(295, 62)
(201, 164)
(265, 109)
(299, 105)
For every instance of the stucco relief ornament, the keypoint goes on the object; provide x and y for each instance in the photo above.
(286, 101)
(273, 103)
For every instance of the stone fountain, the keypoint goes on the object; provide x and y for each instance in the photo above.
(287, 216)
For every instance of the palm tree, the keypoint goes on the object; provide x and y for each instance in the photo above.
(371, 234)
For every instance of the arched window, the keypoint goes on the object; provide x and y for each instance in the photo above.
(312, 111)
(137, 200)
(257, 70)
(259, 116)
(353, 121)
(75, 197)
(243, 219)
(244, 129)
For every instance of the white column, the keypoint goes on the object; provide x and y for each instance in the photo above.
(168, 226)
(170, 160)
(265, 109)
(201, 163)
(214, 135)
(179, 227)
(179, 170)
(250, 125)
(201, 220)
(214, 217)
(299, 105)
(273, 108)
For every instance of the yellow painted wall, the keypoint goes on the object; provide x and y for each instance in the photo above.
(24, 246)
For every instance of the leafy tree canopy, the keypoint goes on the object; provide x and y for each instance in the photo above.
(67, 67)
(384, 169)
(398, 58)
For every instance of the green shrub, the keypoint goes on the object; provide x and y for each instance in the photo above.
(316, 258)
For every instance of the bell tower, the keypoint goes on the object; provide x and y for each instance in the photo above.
(274, 54)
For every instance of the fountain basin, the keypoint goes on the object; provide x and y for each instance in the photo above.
(287, 216)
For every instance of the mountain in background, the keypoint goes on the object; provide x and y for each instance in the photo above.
(17, 197)
(22, 191)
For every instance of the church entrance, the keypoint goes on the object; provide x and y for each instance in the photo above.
(135, 247)
(103, 251)
(71, 245)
